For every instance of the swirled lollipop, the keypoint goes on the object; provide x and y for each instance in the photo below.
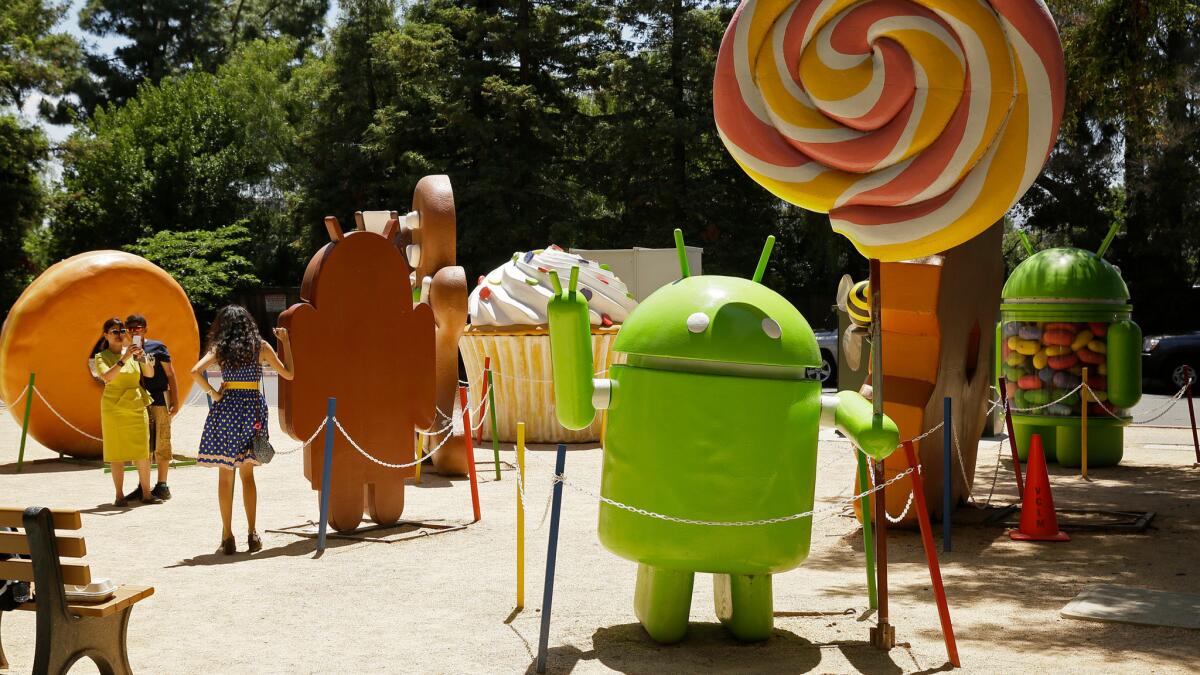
(915, 124)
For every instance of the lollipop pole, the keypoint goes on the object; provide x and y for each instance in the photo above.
(883, 635)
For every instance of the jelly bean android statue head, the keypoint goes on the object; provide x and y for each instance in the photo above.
(712, 418)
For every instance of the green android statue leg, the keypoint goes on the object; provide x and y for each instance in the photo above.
(663, 601)
(744, 604)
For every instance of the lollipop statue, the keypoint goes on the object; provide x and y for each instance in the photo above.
(915, 125)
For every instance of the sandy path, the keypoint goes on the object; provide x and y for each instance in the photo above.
(440, 603)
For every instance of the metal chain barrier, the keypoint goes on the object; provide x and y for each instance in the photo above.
(1154, 415)
(380, 462)
(525, 499)
(1047, 405)
(24, 390)
(733, 523)
(305, 444)
(64, 420)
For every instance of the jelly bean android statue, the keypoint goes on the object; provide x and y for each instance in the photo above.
(713, 417)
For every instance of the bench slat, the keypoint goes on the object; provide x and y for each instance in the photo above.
(22, 570)
(124, 597)
(68, 546)
(64, 519)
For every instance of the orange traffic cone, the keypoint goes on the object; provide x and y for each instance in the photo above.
(1038, 521)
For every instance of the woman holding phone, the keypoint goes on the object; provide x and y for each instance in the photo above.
(121, 364)
(238, 411)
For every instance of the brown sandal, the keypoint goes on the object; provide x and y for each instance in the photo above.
(254, 543)
(229, 546)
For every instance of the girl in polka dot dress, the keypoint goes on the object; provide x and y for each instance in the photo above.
(238, 410)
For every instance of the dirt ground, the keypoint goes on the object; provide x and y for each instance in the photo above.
(444, 603)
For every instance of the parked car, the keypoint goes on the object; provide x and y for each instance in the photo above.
(827, 340)
(1167, 358)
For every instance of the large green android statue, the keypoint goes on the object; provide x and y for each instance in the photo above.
(713, 417)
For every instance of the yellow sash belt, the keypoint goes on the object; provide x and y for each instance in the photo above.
(239, 385)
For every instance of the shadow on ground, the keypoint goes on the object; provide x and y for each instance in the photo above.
(708, 647)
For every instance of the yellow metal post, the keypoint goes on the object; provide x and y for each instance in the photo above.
(1083, 422)
(520, 516)
(420, 454)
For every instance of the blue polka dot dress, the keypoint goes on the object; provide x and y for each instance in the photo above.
(229, 430)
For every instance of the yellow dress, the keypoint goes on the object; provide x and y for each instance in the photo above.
(123, 421)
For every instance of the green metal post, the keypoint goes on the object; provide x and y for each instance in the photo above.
(25, 423)
(492, 414)
(864, 483)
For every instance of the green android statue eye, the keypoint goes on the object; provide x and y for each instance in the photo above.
(698, 322)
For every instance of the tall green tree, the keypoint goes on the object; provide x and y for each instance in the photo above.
(196, 152)
(34, 59)
(1128, 150)
(171, 36)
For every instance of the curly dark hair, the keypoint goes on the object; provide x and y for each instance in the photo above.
(233, 335)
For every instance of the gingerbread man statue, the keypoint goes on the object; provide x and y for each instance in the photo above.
(358, 337)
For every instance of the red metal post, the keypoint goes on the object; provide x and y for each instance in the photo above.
(935, 572)
(1192, 412)
(483, 398)
(1012, 438)
(466, 417)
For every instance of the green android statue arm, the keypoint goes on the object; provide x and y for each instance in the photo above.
(571, 354)
(1124, 363)
(854, 416)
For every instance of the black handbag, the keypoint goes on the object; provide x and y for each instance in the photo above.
(260, 446)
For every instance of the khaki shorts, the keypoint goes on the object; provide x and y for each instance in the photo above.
(160, 433)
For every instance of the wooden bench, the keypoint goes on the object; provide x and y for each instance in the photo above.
(66, 632)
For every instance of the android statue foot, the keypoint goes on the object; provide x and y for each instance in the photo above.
(744, 604)
(662, 602)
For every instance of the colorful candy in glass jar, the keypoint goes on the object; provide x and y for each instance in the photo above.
(1064, 311)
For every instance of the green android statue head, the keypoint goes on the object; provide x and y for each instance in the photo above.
(712, 417)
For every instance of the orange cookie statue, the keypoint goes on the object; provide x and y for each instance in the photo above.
(358, 337)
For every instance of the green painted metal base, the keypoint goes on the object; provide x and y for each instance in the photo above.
(1061, 439)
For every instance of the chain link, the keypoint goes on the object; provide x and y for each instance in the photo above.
(733, 523)
(64, 420)
(1047, 405)
(305, 444)
(24, 390)
(380, 462)
(525, 499)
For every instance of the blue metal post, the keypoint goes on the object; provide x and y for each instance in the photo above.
(551, 556)
(948, 477)
(326, 470)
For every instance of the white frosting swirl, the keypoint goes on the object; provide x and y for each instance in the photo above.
(517, 293)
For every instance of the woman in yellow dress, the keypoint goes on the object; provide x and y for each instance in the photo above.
(123, 421)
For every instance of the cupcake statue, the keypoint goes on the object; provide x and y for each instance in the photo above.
(508, 312)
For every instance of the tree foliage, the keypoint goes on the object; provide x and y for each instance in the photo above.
(167, 37)
(34, 58)
(196, 152)
(585, 123)
(210, 265)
